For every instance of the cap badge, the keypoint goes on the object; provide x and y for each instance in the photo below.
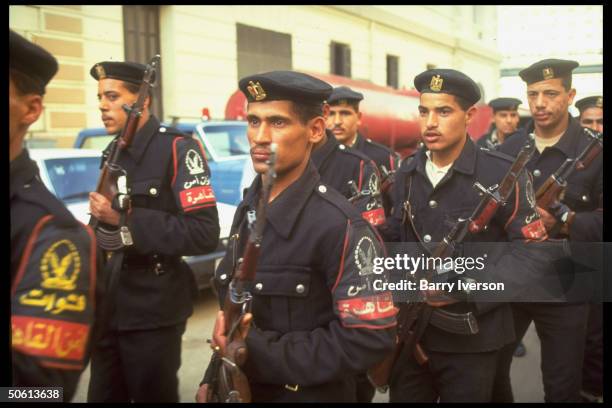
(599, 102)
(436, 83)
(548, 73)
(256, 90)
(100, 71)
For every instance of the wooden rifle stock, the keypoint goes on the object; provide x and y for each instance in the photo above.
(229, 383)
(553, 189)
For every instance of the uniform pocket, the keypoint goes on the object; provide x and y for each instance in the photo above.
(143, 191)
(282, 297)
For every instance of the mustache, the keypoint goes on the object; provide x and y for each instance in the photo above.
(260, 150)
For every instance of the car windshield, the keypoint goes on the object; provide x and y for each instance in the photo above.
(97, 142)
(227, 140)
(73, 177)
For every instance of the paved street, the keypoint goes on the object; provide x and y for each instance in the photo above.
(526, 377)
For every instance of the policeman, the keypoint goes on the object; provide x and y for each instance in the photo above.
(591, 116)
(54, 291)
(312, 328)
(344, 120)
(591, 112)
(560, 326)
(433, 189)
(505, 121)
(173, 213)
(350, 172)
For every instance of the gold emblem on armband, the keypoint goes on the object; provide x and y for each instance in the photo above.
(60, 266)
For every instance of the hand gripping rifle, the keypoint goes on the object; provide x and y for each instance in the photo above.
(229, 384)
(112, 182)
(414, 317)
(553, 189)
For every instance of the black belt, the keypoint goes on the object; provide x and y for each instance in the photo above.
(458, 323)
(149, 261)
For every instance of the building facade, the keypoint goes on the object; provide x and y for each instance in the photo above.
(206, 49)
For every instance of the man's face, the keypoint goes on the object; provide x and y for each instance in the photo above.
(506, 121)
(443, 122)
(548, 102)
(23, 111)
(344, 122)
(276, 122)
(592, 118)
(112, 95)
(15, 111)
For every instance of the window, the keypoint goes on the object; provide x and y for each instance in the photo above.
(262, 50)
(340, 59)
(393, 71)
(141, 39)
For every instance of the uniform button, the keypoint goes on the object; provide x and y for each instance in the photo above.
(300, 288)
(537, 173)
(585, 198)
(322, 189)
(153, 191)
(427, 238)
(433, 203)
(162, 129)
(259, 286)
(369, 140)
(223, 277)
(342, 147)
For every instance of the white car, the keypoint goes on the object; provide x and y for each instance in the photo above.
(71, 174)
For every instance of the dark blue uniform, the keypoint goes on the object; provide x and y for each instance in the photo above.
(55, 290)
(338, 164)
(561, 327)
(462, 367)
(173, 214)
(317, 321)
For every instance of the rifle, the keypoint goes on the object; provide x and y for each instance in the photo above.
(414, 317)
(553, 189)
(229, 384)
(112, 181)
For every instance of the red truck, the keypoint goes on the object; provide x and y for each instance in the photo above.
(389, 116)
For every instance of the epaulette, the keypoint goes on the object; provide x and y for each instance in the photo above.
(354, 152)
(170, 131)
(332, 196)
(498, 154)
(37, 194)
(379, 145)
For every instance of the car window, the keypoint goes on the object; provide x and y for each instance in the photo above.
(73, 177)
(227, 141)
(97, 142)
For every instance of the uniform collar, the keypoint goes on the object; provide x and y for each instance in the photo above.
(465, 163)
(568, 142)
(22, 170)
(285, 210)
(142, 138)
(320, 155)
(359, 142)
